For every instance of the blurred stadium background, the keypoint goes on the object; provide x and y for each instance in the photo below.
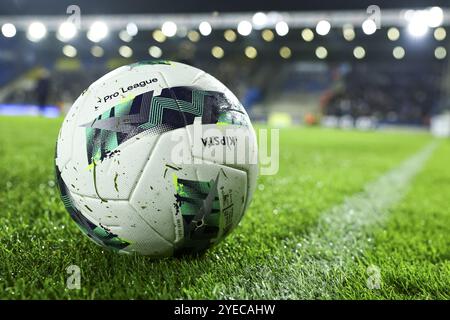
(331, 64)
(344, 204)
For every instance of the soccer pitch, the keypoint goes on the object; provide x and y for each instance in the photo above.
(350, 215)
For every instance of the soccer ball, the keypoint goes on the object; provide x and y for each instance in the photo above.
(157, 158)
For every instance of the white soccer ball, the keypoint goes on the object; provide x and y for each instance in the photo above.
(157, 158)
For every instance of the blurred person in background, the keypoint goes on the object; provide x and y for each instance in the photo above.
(43, 90)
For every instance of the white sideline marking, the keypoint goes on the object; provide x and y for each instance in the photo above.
(342, 232)
(322, 259)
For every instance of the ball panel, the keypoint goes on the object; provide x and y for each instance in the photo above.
(232, 186)
(224, 144)
(116, 175)
(252, 177)
(153, 197)
(119, 221)
(210, 206)
(118, 89)
(94, 231)
(79, 177)
(65, 144)
(113, 224)
(208, 82)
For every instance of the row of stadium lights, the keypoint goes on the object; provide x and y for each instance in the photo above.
(250, 52)
(419, 23)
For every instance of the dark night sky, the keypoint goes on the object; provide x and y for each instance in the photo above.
(41, 7)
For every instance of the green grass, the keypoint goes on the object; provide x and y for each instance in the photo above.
(412, 252)
(318, 169)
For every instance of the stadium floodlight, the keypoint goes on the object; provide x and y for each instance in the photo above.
(267, 35)
(69, 51)
(132, 29)
(285, 52)
(408, 14)
(282, 28)
(9, 30)
(418, 23)
(348, 31)
(359, 52)
(398, 53)
(251, 52)
(244, 28)
(169, 28)
(321, 52)
(393, 34)
(440, 53)
(97, 51)
(230, 35)
(155, 52)
(98, 31)
(369, 26)
(307, 35)
(259, 20)
(323, 27)
(435, 17)
(205, 28)
(66, 31)
(193, 36)
(440, 34)
(217, 52)
(125, 36)
(417, 28)
(125, 51)
(36, 31)
(159, 36)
